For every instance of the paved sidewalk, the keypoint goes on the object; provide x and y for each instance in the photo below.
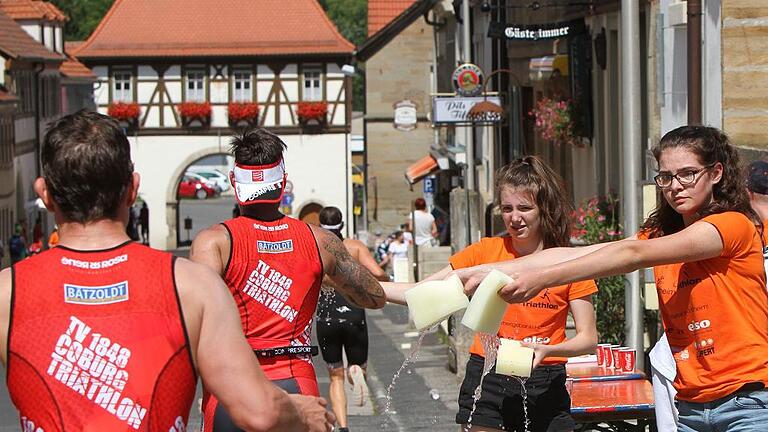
(413, 407)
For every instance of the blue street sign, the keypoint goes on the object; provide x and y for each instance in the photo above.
(429, 185)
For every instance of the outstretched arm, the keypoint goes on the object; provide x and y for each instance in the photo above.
(352, 280)
(226, 362)
(396, 291)
(472, 276)
(697, 242)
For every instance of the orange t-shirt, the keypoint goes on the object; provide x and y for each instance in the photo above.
(715, 314)
(540, 319)
(765, 233)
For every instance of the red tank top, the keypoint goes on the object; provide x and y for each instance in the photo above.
(274, 273)
(97, 342)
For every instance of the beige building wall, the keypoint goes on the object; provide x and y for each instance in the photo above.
(400, 70)
(745, 72)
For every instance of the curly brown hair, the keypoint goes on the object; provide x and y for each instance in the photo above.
(711, 146)
(555, 208)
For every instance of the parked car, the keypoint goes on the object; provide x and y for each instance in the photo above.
(191, 187)
(214, 175)
(210, 183)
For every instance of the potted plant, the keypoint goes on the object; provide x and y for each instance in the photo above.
(242, 113)
(126, 113)
(312, 114)
(554, 122)
(195, 114)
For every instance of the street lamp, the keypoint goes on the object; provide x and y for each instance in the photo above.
(487, 111)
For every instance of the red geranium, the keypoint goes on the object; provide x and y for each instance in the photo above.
(195, 110)
(242, 111)
(123, 111)
(312, 110)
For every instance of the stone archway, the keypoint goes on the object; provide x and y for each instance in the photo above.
(178, 216)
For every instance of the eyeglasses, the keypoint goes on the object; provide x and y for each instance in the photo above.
(685, 177)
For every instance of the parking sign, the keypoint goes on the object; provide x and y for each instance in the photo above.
(429, 185)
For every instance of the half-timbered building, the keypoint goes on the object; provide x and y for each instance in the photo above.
(197, 70)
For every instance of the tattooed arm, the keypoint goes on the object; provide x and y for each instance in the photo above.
(352, 280)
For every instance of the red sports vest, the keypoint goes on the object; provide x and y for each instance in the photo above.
(97, 342)
(274, 273)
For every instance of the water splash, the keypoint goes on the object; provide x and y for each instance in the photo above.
(434, 395)
(413, 355)
(327, 294)
(526, 419)
(490, 345)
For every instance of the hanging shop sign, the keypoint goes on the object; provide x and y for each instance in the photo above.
(534, 32)
(468, 80)
(452, 110)
(405, 115)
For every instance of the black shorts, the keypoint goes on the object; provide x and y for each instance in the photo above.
(500, 404)
(333, 335)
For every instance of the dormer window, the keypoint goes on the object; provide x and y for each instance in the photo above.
(313, 84)
(241, 86)
(195, 85)
(122, 90)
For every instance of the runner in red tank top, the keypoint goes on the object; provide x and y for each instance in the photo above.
(101, 334)
(273, 265)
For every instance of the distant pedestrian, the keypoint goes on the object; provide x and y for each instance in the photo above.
(53, 239)
(144, 222)
(132, 229)
(398, 248)
(17, 244)
(422, 224)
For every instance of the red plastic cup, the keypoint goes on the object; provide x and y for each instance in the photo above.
(601, 349)
(628, 359)
(608, 361)
(616, 357)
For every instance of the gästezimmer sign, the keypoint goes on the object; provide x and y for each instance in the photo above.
(519, 32)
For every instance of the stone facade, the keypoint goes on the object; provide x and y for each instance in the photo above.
(400, 70)
(745, 72)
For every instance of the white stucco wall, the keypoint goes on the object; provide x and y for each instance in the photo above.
(674, 112)
(317, 165)
(32, 28)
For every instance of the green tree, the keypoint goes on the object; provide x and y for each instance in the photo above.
(84, 16)
(351, 18)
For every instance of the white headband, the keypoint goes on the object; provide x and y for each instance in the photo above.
(332, 227)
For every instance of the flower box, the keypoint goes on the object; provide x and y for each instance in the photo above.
(554, 122)
(243, 113)
(312, 113)
(126, 113)
(195, 114)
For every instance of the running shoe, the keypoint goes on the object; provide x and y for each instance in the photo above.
(359, 387)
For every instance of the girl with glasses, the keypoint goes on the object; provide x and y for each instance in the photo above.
(704, 244)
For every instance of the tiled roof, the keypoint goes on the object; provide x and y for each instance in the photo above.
(71, 68)
(196, 28)
(72, 46)
(31, 9)
(16, 43)
(381, 12)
